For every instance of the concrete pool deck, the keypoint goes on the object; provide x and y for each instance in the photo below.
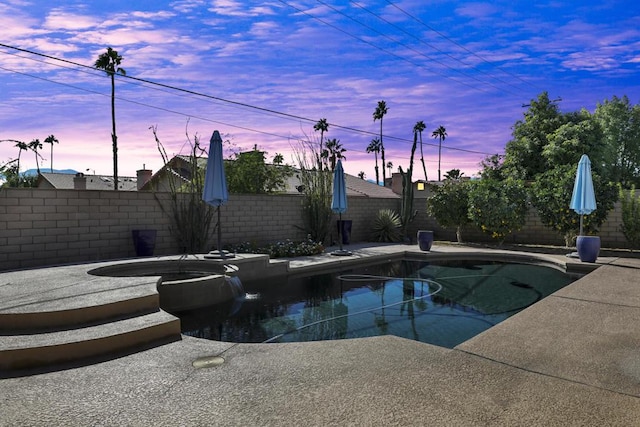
(571, 359)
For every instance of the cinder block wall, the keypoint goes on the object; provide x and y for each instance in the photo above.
(46, 227)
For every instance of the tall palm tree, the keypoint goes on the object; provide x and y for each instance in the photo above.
(322, 126)
(441, 134)
(378, 114)
(374, 147)
(34, 146)
(333, 152)
(110, 63)
(362, 175)
(51, 140)
(390, 167)
(419, 127)
(22, 146)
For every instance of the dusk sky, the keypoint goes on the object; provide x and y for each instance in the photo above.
(263, 72)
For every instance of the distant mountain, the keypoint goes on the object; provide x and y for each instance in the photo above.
(34, 172)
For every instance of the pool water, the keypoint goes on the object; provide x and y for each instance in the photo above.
(443, 303)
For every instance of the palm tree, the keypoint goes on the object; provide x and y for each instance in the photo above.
(323, 127)
(51, 140)
(378, 114)
(110, 63)
(390, 167)
(333, 152)
(440, 133)
(374, 147)
(22, 146)
(34, 146)
(419, 127)
(362, 175)
(453, 175)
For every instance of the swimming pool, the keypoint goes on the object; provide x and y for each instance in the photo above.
(443, 302)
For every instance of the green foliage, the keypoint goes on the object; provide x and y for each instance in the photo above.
(498, 207)
(630, 226)
(386, 226)
(316, 190)
(285, 249)
(12, 177)
(551, 195)
(449, 205)
(190, 218)
(249, 174)
(620, 123)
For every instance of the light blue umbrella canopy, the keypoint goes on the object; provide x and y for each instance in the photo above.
(583, 200)
(215, 183)
(339, 199)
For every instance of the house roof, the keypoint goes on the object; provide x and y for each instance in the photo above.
(64, 181)
(177, 166)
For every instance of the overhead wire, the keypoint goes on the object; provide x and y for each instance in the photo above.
(206, 96)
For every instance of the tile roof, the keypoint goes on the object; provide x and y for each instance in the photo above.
(64, 181)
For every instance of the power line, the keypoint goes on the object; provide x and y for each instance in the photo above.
(199, 94)
(458, 44)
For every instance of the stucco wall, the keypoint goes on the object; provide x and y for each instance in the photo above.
(46, 227)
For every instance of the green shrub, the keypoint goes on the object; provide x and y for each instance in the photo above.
(449, 205)
(387, 226)
(283, 249)
(498, 207)
(630, 226)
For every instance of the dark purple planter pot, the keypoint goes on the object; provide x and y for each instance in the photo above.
(425, 240)
(588, 248)
(144, 241)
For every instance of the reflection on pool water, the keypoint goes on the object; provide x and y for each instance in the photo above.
(439, 302)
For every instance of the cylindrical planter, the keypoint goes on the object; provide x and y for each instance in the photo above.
(144, 241)
(344, 227)
(425, 240)
(588, 248)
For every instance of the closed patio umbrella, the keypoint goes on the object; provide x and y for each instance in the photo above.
(215, 184)
(339, 201)
(583, 200)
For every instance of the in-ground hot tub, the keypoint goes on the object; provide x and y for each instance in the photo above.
(183, 284)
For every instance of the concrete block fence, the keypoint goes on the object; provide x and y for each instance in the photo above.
(41, 227)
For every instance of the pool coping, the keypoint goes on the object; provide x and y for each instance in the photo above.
(512, 374)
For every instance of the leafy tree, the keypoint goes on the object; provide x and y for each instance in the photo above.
(453, 175)
(374, 147)
(51, 139)
(493, 168)
(620, 124)
(630, 226)
(419, 127)
(110, 63)
(523, 154)
(449, 205)
(379, 113)
(441, 134)
(249, 174)
(579, 134)
(498, 207)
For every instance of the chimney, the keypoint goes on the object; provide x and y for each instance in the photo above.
(143, 176)
(79, 181)
(396, 182)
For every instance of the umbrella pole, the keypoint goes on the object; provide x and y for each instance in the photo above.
(581, 216)
(219, 235)
(340, 230)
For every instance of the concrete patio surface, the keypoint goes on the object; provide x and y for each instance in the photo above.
(571, 359)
